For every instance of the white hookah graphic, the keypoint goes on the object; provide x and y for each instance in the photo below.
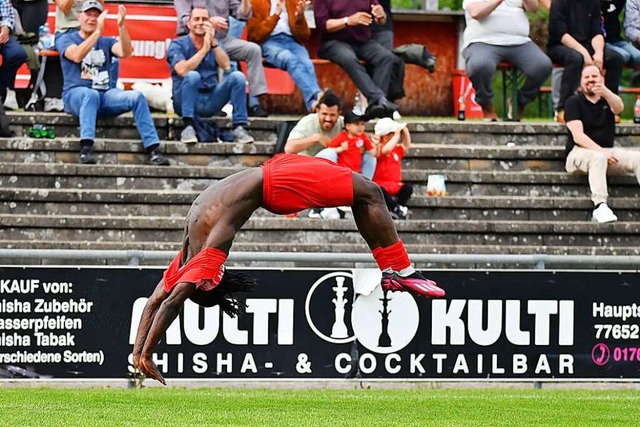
(339, 329)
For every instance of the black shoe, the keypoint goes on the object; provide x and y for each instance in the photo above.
(87, 157)
(257, 111)
(374, 111)
(382, 108)
(399, 212)
(157, 158)
(389, 107)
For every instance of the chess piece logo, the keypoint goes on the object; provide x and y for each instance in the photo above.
(328, 307)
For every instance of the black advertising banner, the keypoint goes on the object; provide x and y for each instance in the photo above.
(80, 323)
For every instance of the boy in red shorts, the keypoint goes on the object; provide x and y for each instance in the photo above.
(285, 184)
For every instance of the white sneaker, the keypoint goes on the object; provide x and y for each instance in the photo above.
(242, 136)
(228, 109)
(53, 104)
(330, 213)
(603, 214)
(11, 102)
(188, 135)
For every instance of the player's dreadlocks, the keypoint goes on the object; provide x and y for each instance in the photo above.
(223, 294)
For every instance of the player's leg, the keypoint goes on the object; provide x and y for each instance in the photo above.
(376, 226)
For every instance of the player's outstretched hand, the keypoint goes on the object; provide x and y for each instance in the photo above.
(148, 368)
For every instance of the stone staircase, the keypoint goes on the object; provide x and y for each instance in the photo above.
(507, 192)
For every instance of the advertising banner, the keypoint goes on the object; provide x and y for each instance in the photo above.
(80, 323)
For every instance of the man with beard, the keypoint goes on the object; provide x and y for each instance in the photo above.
(590, 120)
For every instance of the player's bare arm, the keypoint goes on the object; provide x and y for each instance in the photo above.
(165, 314)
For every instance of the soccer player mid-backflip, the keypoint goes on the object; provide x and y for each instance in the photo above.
(285, 184)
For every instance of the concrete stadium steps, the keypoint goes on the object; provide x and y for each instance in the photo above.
(124, 127)
(471, 132)
(462, 182)
(65, 151)
(507, 192)
(175, 203)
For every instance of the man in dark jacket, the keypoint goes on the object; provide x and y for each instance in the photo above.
(576, 40)
(345, 39)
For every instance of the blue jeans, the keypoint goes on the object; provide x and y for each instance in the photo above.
(368, 161)
(284, 52)
(88, 104)
(630, 54)
(13, 56)
(188, 101)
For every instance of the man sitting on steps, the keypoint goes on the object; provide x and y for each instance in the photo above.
(88, 93)
(590, 120)
(194, 60)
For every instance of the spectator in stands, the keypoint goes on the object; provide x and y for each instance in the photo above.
(312, 134)
(498, 31)
(314, 131)
(87, 92)
(345, 39)
(576, 40)
(392, 141)
(237, 49)
(194, 60)
(280, 27)
(632, 21)
(352, 143)
(67, 12)
(556, 72)
(611, 10)
(383, 32)
(13, 55)
(590, 120)
(33, 14)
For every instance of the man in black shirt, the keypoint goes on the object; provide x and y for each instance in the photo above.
(575, 40)
(590, 120)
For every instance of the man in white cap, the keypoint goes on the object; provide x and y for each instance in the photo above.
(392, 140)
(85, 57)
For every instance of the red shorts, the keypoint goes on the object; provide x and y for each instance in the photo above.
(205, 270)
(292, 182)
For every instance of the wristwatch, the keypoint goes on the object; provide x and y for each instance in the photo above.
(346, 21)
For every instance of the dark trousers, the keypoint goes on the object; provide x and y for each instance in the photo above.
(399, 199)
(32, 14)
(386, 70)
(573, 62)
(13, 56)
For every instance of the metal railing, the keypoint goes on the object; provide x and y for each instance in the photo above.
(534, 261)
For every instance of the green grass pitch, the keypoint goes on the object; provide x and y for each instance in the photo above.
(317, 407)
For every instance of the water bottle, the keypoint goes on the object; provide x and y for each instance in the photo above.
(636, 111)
(44, 35)
(461, 108)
